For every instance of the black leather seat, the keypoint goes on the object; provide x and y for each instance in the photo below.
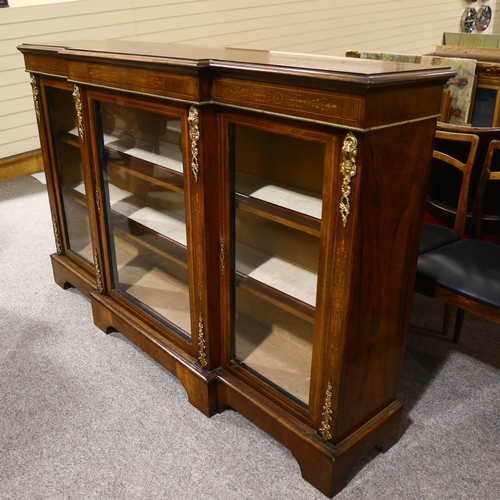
(470, 268)
(466, 273)
(434, 236)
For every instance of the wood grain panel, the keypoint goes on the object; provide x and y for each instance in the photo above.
(179, 87)
(280, 99)
(48, 65)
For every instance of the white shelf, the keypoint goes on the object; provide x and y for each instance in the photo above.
(278, 274)
(169, 157)
(274, 357)
(156, 219)
(153, 286)
(303, 202)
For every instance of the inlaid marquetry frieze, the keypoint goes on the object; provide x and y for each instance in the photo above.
(46, 65)
(283, 99)
(179, 86)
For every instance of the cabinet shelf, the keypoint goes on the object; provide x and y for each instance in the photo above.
(70, 137)
(274, 357)
(77, 194)
(162, 222)
(276, 297)
(155, 229)
(293, 207)
(158, 230)
(151, 173)
(279, 275)
(151, 287)
(164, 169)
(146, 237)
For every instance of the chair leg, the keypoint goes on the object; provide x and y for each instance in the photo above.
(446, 319)
(458, 325)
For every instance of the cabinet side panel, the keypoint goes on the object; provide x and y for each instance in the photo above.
(393, 183)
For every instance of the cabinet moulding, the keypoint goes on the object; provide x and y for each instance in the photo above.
(263, 111)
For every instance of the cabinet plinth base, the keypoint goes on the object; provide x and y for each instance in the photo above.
(325, 466)
(66, 275)
(201, 387)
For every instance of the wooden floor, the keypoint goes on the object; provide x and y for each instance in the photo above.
(20, 165)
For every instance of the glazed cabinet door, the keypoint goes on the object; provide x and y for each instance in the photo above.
(68, 180)
(275, 239)
(145, 208)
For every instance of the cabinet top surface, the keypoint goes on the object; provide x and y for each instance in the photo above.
(313, 65)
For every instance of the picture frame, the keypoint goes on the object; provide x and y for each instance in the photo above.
(4, 3)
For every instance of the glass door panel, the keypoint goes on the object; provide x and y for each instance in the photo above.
(64, 131)
(142, 168)
(278, 183)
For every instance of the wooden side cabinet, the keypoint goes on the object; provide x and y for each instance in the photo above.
(249, 219)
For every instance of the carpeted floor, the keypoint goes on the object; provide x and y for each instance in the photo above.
(84, 415)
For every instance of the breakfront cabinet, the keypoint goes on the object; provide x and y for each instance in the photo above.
(249, 219)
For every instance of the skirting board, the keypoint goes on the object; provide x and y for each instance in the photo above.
(22, 164)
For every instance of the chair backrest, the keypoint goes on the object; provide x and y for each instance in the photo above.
(443, 152)
(487, 175)
(449, 193)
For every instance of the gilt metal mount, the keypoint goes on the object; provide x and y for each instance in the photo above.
(348, 170)
(35, 92)
(194, 134)
(202, 358)
(79, 113)
(327, 415)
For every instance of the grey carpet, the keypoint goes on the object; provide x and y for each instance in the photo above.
(84, 415)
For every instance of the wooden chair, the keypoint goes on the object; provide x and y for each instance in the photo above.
(444, 188)
(466, 273)
(434, 235)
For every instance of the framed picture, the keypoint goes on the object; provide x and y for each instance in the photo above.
(4, 3)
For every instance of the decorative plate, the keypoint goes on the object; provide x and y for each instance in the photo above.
(469, 20)
(483, 18)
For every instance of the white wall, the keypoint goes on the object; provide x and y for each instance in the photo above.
(318, 26)
(26, 3)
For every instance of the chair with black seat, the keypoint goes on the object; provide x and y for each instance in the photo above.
(444, 189)
(466, 273)
(444, 160)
